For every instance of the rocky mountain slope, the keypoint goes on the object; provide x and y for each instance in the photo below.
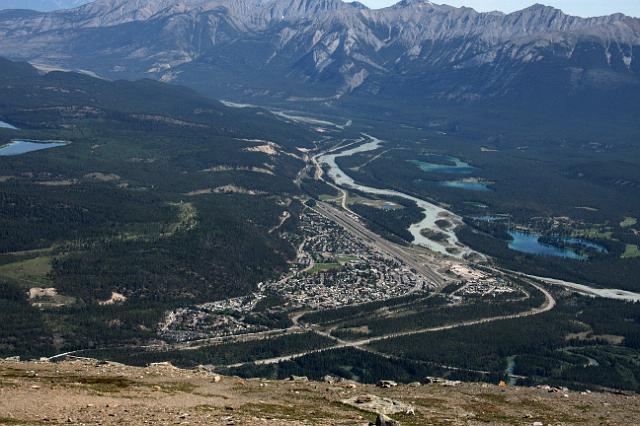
(87, 392)
(323, 50)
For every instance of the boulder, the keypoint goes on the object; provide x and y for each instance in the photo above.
(363, 399)
(387, 384)
(383, 420)
(378, 405)
(330, 379)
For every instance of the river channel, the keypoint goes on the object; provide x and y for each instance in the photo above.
(449, 246)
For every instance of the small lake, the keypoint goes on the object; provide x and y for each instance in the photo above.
(5, 125)
(467, 185)
(444, 164)
(530, 243)
(19, 147)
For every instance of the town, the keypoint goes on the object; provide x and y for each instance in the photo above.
(333, 268)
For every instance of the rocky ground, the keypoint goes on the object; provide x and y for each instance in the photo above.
(91, 393)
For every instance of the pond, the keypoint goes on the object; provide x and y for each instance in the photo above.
(446, 164)
(5, 125)
(19, 147)
(530, 243)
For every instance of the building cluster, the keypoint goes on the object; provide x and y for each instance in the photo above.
(493, 287)
(333, 269)
(337, 269)
(477, 283)
(216, 319)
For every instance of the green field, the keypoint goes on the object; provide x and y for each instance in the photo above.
(324, 267)
(632, 251)
(28, 273)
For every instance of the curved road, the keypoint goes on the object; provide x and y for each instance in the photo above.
(547, 306)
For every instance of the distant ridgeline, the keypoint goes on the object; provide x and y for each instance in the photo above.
(530, 63)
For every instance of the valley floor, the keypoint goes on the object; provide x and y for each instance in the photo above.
(88, 392)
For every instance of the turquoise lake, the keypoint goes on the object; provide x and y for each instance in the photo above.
(529, 243)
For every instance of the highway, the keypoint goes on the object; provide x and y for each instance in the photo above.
(547, 306)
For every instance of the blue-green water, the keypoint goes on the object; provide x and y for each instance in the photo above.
(469, 186)
(20, 147)
(448, 164)
(5, 125)
(585, 243)
(530, 243)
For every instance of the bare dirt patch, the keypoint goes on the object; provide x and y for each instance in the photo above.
(225, 189)
(114, 299)
(221, 169)
(588, 336)
(103, 177)
(62, 182)
(268, 149)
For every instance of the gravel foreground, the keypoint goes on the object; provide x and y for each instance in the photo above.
(88, 392)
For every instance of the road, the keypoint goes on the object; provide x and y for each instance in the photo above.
(547, 306)
(351, 222)
(605, 293)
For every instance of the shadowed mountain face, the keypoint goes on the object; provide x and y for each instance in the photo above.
(328, 50)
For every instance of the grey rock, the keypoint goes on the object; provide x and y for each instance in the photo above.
(383, 420)
(378, 405)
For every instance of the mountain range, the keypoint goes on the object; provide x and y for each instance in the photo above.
(325, 51)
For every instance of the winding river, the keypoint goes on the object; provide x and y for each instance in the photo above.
(432, 213)
(449, 244)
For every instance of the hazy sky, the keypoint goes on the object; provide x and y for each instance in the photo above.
(573, 7)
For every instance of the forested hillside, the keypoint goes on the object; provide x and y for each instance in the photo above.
(160, 197)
